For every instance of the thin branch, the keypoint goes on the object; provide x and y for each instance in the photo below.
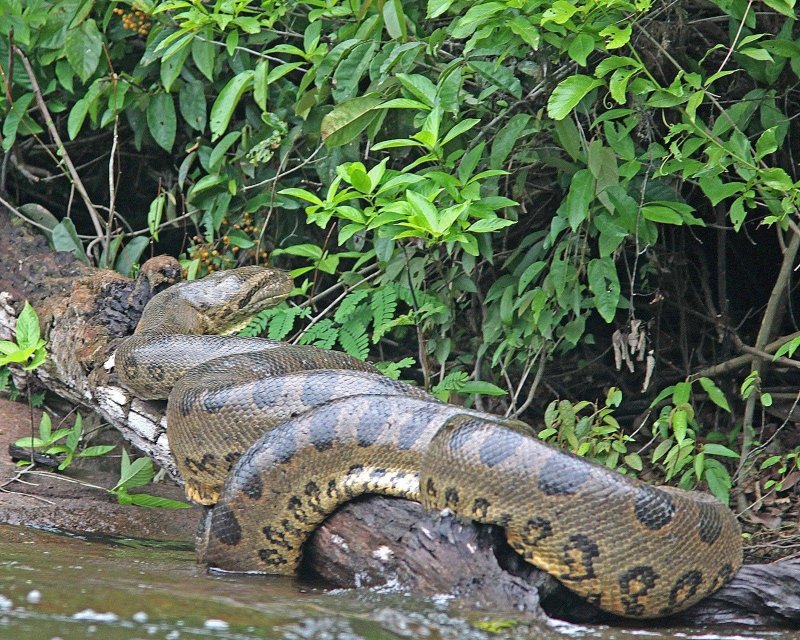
(51, 127)
(534, 386)
(740, 361)
(736, 37)
(768, 322)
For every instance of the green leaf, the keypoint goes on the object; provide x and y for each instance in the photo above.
(568, 94)
(615, 36)
(659, 213)
(505, 140)
(500, 76)
(788, 348)
(737, 213)
(604, 284)
(226, 102)
(65, 238)
(281, 70)
(354, 339)
(130, 255)
(784, 7)
(715, 394)
(45, 427)
(83, 47)
(161, 120)
(155, 502)
(757, 54)
(681, 392)
(680, 423)
(394, 19)
(217, 155)
(27, 330)
(777, 178)
(134, 474)
(97, 450)
(192, 104)
(662, 449)
(559, 12)
(713, 449)
(717, 191)
(404, 103)
(419, 86)
(634, 461)
(154, 214)
(204, 53)
(75, 433)
(75, 119)
(348, 119)
(302, 194)
(40, 214)
(458, 129)
(475, 17)
(30, 443)
(171, 67)
(261, 84)
(437, 7)
(14, 119)
(579, 50)
(575, 206)
(486, 225)
(482, 387)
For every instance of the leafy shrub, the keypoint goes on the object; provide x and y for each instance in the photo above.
(461, 188)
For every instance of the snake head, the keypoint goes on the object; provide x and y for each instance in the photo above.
(222, 302)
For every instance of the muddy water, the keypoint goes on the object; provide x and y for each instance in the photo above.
(68, 588)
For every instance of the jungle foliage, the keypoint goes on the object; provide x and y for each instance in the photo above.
(494, 198)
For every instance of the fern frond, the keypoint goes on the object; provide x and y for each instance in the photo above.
(282, 324)
(349, 304)
(323, 334)
(452, 382)
(392, 369)
(258, 323)
(354, 339)
(400, 321)
(384, 305)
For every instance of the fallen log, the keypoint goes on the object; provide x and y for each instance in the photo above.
(84, 314)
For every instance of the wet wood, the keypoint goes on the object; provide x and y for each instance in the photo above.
(760, 594)
(85, 312)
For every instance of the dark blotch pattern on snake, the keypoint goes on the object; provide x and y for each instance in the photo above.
(280, 435)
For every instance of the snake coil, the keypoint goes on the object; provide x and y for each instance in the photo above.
(278, 436)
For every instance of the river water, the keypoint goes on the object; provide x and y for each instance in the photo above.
(58, 587)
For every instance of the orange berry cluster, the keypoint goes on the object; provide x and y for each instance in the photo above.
(212, 259)
(208, 256)
(137, 20)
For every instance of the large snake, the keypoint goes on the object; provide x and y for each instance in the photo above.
(278, 436)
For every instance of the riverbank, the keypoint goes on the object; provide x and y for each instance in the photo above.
(64, 500)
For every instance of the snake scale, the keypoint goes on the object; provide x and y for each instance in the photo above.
(278, 436)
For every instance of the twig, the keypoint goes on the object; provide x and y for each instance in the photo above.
(534, 385)
(736, 37)
(740, 361)
(112, 188)
(763, 355)
(280, 175)
(327, 309)
(28, 495)
(767, 324)
(51, 127)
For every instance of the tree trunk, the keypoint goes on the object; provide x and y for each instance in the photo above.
(85, 312)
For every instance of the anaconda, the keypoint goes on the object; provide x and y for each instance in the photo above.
(282, 435)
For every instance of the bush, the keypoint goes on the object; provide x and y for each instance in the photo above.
(464, 190)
